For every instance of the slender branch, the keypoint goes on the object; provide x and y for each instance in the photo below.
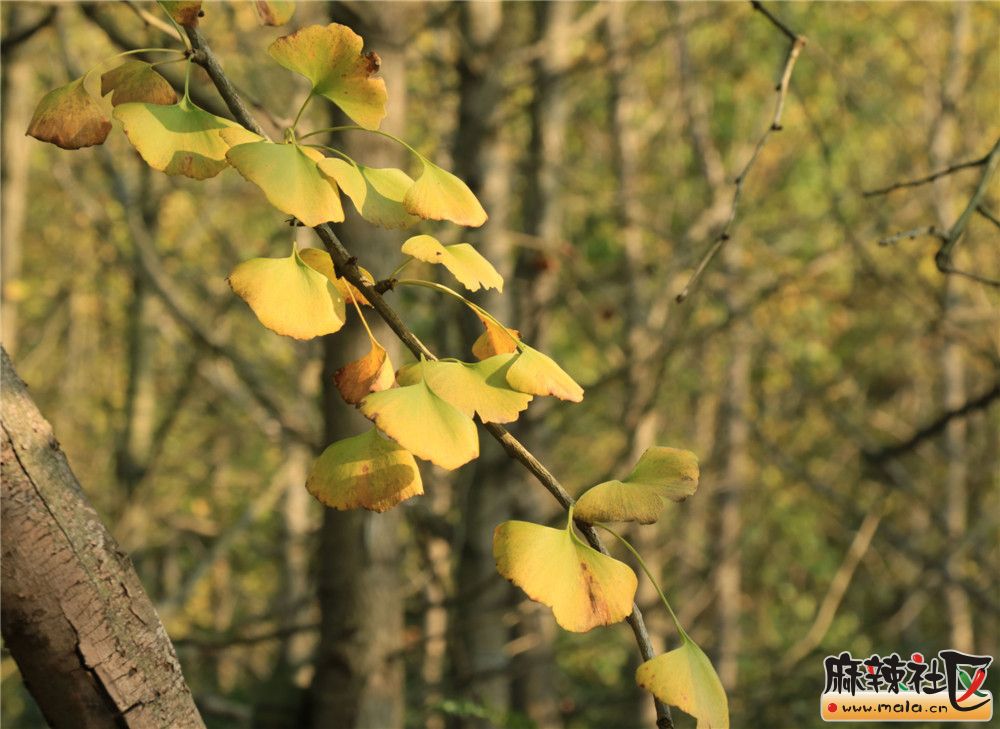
(943, 256)
(204, 57)
(911, 235)
(798, 42)
(19, 35)
(929, 178)
(981, 209)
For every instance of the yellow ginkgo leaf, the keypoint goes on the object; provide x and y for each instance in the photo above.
(289, 177)
(330, 57)
(439, 195)
(685, 678)
(583, 587)
(480, 388)
(137, 81)
(495, 340)
(274, 12)
(424, 424)
(377, 193)
(371, 373)
(321, 261)
(179, 139)
(289, 297)
(465, 262)
(70, 118)
(367, 471)
(537, 374)
(661, 474)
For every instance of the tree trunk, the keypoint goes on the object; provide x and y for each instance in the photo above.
(75, 617)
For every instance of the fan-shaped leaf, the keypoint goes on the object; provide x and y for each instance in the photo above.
(137, 81)
(367, 470)
(321, 261)
(661, 474)
(583, 587)
(185, 12)
(684, 678)
(537, 374)
(330, 57)
(465, 262)
(494, 340)
(70, 118)
(439, 195)
(289, 297)
(423, 423)
(274, 12)
(377, 193)
(371, 373)
(180, 139)
(289, 177)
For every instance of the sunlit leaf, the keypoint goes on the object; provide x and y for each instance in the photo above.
(185, 12)
(289, 297)
(425, 424)
(377, 193)
(537, 374)
(661, 474)
(137, 81)
(439, 195)
(330, 57)
(180, 139)
(367, 470)
(289, 177)
(495, 340)
(371, 373)
(70, 118)
(274, 12)
(583, 587)
(321, 261)
(479, 387)
(684, 678)
(465, 262)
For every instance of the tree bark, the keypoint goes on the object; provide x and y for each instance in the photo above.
(85, 636)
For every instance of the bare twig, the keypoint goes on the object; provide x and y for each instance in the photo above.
(798, 42)
(943, 256)
(929, 178)
(911, 234)
(988, 215)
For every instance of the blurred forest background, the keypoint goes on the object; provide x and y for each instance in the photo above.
(812, 370)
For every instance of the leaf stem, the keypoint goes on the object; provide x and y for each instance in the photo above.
(451, 292)
(364, 322)
(105, 61)
(187, 81)
(400, 268)
(355, 127)
(177, 27)
(301, 109)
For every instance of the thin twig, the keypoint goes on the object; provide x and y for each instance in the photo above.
(798, 42)
(911, 234)
(929, 178)
(943, 256)
(988, 215)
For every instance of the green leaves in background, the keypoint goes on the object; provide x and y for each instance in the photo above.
(479, 388)
(465, 262)
(661, 474)
(184, 12)
(137, 81)
(367, 471)
(179, 139)
(274, 12)
(583, 587)
(330, 57)
(289, 297)
(685, 678)
(371, 373)
(537, 374)
(377, 193)
(495, 339)
(289, 177)
(439, 195)
(70, 118)
(423, 423)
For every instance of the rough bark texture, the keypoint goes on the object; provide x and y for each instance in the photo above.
(85, 636)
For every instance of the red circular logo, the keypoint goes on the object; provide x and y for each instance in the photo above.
(831, 707)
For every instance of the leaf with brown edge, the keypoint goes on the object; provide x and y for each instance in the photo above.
(584, 588)
(494, 340)
(439, 195)
(184, 12)
(274, 12)
(685, 678)
(70, 118)
(137, 81)
(321, 261)
(662, 474)
(538, 374)
(371, 373)
(367, 471)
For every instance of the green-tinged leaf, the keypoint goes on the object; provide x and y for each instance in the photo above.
(425, 424)
(371, 373)
(495, 340)
(185, 12)
(70, 118)
(583, 587)
(137, 81)
(465, 262)
(180, 139)
(367, 470)
(289, 177)
(684, 678)
(321, 261)
(240, 135)
(274, 12)
(289, 297)
(377, 193)
(479, 387)
(537, 374)
(330, 57)
(661, 474)
(439, 195)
